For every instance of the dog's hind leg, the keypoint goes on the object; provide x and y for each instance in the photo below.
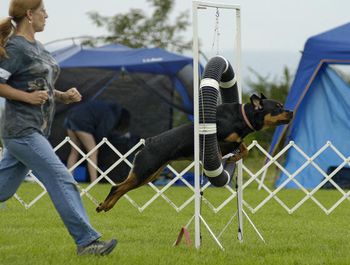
(153, 177)
(116, 192)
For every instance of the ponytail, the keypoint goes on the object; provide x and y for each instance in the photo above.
(6, 30)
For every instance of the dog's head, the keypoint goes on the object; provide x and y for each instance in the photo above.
(269, 112)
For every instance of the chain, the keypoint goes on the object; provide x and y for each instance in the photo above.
(216, 36)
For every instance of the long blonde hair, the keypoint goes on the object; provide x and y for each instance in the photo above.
(17, 11)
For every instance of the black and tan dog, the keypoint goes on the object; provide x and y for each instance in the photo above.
(234, 122)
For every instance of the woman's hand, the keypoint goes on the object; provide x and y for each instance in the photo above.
(70, 96)
(38, 97)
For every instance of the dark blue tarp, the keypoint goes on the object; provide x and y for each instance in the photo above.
(318, 97)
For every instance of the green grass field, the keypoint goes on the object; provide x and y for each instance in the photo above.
(308, 236)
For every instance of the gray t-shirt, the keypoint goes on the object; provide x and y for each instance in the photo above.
(29, 67)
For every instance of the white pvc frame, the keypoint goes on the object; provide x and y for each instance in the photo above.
(197, 216)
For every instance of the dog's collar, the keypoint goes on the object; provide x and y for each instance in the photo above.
(246, 118)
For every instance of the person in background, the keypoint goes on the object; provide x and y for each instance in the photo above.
(27, 76)
(88, 123)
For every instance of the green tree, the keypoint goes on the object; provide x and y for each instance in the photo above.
(135, 29)
(277, 88)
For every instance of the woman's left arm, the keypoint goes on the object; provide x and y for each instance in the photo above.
(70, 96)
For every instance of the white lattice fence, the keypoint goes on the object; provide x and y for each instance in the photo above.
(258, 177)
(309, 161)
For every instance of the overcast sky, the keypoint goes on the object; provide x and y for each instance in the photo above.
(278, 25)
(273, 31)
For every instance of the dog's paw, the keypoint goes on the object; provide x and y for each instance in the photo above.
(100, 208)
(104, 207)
(234, 158)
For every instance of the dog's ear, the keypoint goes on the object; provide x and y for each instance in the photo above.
(256, 102)
(262, 96)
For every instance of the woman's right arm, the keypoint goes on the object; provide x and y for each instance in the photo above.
(34, 98)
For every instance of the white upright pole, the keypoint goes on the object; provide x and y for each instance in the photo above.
(197, 216)
(239, 164)
(238, 53)
(197, 200)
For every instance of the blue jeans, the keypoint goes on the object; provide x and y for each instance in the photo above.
(36, 153)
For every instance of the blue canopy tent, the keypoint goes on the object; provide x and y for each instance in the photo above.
(152, 84)
(121, 58)
(320, 99)
(154, 60)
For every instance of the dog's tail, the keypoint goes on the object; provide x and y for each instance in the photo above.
(218, 75)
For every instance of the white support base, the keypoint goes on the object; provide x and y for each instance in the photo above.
(240, 211)
(198, 235)
(239, 214)
(240, 227)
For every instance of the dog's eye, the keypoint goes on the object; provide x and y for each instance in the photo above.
(277, 110)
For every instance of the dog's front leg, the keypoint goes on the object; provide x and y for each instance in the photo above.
(243, 152)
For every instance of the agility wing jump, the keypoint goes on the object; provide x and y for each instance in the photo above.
(223, 130)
